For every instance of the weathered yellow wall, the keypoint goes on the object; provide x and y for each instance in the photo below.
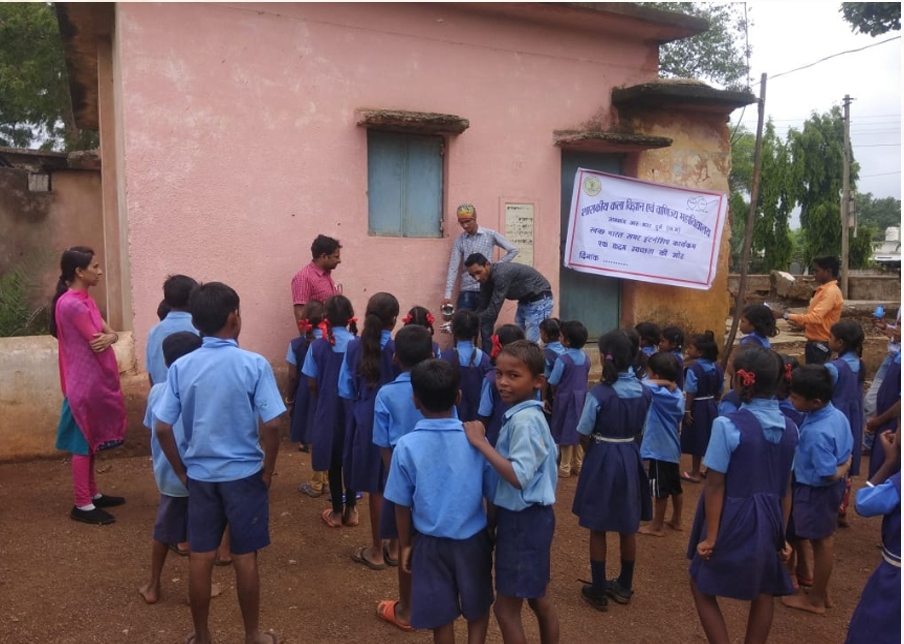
(699, 157)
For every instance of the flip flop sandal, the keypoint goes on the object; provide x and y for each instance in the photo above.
(358, 557)
(325, 515)
(390, 561)
(685, 476)
(175, 548)
(386, 610)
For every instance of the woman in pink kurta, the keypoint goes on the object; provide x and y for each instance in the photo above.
(93, 416)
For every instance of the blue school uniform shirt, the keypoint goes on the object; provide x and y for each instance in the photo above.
(825, 443)
(445, 494)
(347, 378)
(755, 339)
(341, 336)
(557, 348)
(466, 350)
(852, 361)
(167, 481)
(690, 379)
(626, 386)
(290, 356)
(174, 322)
(220, 391)
(578, 356)
(394, 412)
(726, 436)
(648, 350)
(660, 435)
(876, 500)
(526, 442)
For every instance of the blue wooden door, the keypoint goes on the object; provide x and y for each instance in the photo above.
(592, 299)
(404, 184)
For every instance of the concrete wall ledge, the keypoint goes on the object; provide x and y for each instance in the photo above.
(30, 396)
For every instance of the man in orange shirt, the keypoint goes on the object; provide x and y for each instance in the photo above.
(823, 312)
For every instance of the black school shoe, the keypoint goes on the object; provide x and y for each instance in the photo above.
(617, 592)
(595, 599)
(105, 501)
(94, 517)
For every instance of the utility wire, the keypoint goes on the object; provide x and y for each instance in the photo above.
(884, 174)
(841, 53)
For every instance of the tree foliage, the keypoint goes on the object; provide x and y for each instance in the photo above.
(718, 55)
(877, 214)
(817, 151)
(35, 108)
(873, 18)
(772, 229)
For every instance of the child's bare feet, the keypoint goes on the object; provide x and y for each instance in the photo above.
(150, 593)
(650, 531)
(262, 638)
(802, 601)
(675, 525)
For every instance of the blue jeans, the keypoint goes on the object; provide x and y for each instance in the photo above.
(529, 317)
(467, 301)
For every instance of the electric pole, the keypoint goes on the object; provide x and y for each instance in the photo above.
(846, 197)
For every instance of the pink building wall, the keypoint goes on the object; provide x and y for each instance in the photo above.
(240, 143)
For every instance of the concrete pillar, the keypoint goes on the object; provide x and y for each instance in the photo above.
(114, 255)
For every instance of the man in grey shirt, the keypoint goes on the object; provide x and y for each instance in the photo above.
(474, 239)
(500, 282)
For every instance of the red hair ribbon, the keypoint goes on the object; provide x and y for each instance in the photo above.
(788, 370)
(408, 319)
(305, 326)
(747, 377)
(497, 346)
(430, 319)
(324, 327)
(351, 321)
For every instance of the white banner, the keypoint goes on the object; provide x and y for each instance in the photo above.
(638, 230)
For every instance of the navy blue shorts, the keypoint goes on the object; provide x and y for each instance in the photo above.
(523, 541)
(814, 510)
(171, 524)
(450, 577)
(243, 504)
(388, 527)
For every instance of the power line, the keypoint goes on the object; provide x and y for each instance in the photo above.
(884, 174)
(879, 145)
(841, 53)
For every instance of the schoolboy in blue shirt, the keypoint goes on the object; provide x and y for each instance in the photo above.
(176, 291)
(171, 524)
(821, 462)
(661, 445)
(220, 391)
(450, 559)
(525, 458)
(394, 416)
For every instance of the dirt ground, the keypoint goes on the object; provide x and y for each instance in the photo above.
(70, 583)
(67, 582)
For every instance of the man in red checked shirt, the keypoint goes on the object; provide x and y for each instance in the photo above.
(315, 281)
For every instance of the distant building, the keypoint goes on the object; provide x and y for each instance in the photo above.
(888, 253)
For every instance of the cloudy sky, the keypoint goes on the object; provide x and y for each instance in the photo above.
(788, 35)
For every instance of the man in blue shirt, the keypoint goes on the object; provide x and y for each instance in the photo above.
(177, 290)
(442, 499)
(220, 391)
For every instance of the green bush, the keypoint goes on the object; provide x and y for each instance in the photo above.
(16, 314)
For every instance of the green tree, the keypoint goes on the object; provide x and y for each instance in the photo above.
(718, 55)
(35, 107)
(861, 247)
(815, 172)
(772, 229)
(877, 214)
(873, 18)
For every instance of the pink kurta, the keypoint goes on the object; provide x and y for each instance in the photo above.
(90, 381)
